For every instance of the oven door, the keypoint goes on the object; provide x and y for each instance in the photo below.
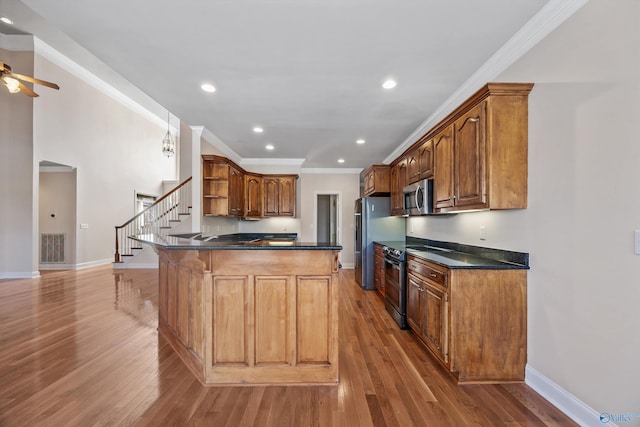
(394, 276)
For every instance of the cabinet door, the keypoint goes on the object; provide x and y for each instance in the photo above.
(253, 196)
(413, 167)
(425, 155)
(415, 312)
(369, 182)
(271, 187)
(470, 158)
(287, 197)
(443, 169)
(435, 327)
(236, 192)
(396, 196)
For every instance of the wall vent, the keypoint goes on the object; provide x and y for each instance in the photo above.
(52, 248)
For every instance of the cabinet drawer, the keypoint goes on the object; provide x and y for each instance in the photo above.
(419, 267)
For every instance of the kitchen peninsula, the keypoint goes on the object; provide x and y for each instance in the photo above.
(250, 309)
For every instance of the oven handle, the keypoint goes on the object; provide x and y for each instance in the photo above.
(393, 263)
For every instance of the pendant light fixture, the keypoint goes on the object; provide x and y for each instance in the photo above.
(168, 144)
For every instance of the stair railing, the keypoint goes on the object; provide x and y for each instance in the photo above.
(156, 219)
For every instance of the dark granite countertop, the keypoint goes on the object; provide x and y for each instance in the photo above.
(239, 241)
(459, 256)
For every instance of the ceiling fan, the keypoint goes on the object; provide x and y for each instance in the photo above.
(12, 81)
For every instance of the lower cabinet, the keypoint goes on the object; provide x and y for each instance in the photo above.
(378, 268)
(473, 321)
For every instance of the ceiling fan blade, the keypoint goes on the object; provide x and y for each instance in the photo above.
(34, 80)
(27, 91)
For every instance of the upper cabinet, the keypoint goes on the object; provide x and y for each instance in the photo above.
(420, 161)
(280, 195)
(253, 190)
(228, 190)
(477, 155)
(443, 193)
(398, 177)
(376, 181)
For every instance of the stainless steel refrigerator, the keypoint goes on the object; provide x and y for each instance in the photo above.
(373, 223)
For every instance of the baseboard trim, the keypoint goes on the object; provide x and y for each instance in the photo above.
(348, 266)
(573, 407)
(20, 275)
(80, 266)
(129, 265)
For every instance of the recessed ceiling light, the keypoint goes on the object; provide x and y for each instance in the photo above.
(340, 160)
(269, 147)
(389, 84)
(207, 87)
(6, 20)
(258, 129)
(360, 141)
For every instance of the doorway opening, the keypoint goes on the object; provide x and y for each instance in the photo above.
(328, 217)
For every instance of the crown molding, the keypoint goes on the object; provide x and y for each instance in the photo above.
(16, 42)
(552, 14)
(272, 162)
(331, 170)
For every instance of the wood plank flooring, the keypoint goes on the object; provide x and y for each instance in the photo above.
(80, 348)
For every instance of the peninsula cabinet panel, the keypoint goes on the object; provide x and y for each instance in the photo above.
(313, 312)
(276, 324)
(273, 323)
(231, 320)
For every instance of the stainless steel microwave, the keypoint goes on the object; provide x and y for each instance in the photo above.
(418, 198)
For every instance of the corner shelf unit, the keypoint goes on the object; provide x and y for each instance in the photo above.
(215, 189)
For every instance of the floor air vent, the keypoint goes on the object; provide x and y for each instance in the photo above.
(52, 248)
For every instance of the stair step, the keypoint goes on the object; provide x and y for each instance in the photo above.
(165, 228)
(174, 220)
(126, 255)
(137, 247)
(184, 213)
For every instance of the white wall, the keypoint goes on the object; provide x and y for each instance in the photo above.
(348, 187)
(17, 210)
(584, 203)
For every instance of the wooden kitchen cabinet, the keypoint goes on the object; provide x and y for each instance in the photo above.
(253, 191)
(398, 177)
(473, 321)
(229, 190)
(280, 195)
(215, 187)
(427, 306)
(443, 192)
(487, 165)
(376, 181)
(378, 269)
(236, 192)
(425, 156)
(413, 166)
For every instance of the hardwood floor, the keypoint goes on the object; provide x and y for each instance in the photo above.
(80, 348)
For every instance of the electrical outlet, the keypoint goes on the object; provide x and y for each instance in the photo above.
(284, 228)
(483, 232)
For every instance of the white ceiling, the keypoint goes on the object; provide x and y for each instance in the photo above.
(308, 71)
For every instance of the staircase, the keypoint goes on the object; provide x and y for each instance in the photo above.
(158, 218)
